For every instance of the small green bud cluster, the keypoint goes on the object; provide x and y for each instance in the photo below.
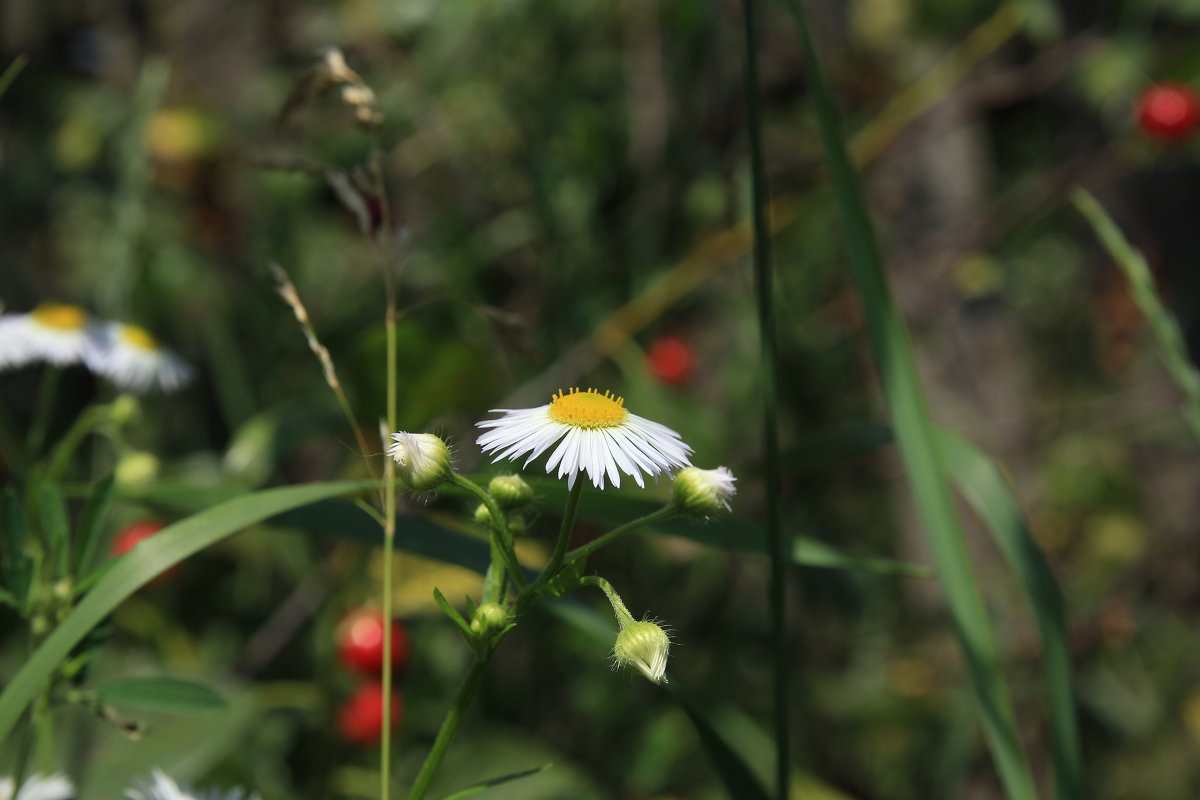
(510, 492)
(488, 617)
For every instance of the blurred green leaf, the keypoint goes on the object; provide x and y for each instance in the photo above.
(16, 568)
(488, 784)
(52, 519)
(91, 519)
(161, 693)
(917, 438)
(10, 73)
(135, 569)
(735, 774)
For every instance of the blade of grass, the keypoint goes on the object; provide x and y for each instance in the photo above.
(135, 569)
(1163, 326)
(737, 776)
(918, 442)
(482, 786)
(985, 488)
(11, 72)
(765, 306)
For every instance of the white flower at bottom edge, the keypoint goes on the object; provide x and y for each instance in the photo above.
(598, 436)
(134, 360)
(38, 787)
(53, 332)
(162, 787)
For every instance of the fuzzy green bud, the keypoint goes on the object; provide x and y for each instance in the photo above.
(423, 460)
(703, 492)
(643, 645)
(137, 469)
(510, 492)
(489, 617)
(482, 515)
(125, 409)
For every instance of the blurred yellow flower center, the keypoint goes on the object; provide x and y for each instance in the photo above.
(588, 409)
(59, 316)
(138, 337)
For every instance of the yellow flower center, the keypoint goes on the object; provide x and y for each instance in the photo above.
(138, 337)
(59, 316)
(588, 409)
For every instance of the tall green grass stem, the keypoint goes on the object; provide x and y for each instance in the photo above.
(389, 549)
(917, 439)
(764, 292)
(1163, 325)
(47, 399)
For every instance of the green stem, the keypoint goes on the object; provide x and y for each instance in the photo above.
(498, 524)
(44, 731)
(47, 394)
(614, 599)
(763, 282)
(449, 725)
(389, 547)
(664, 513)
(564, 532)
(85, 423)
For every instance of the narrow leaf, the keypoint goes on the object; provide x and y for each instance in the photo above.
(451, 612)
(161, 693)
(917, 439)
(739, 781)
(52, 520)
(135, 569)
(491, 782)
(91, 519)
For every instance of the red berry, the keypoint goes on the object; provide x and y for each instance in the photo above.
(129, 536)
(1168, 112)
(671, 360)
(360, 720)
(360, 642)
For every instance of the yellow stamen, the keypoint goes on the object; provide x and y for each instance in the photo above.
(138, 337)
(60, 316)
(588, 409)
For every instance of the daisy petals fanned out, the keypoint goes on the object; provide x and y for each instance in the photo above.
(53, 332)
(162, 787)
(38, 787)
(594, 433)
(132, 359)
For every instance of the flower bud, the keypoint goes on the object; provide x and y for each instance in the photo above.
(125, 409)
(489, 617)
(510, 492)
(137, 469)
(643, 645)
(482, 515)
(702, 492)
(423, 459)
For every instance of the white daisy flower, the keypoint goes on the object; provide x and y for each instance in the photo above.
(53, 332)
(132, 359)
(162, 787)
(597, 434)
(38, 787)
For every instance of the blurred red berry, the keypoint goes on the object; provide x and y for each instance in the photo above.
(1168, 112)
(129, 536)
(360, 642)
(671, 360)
(360, 720)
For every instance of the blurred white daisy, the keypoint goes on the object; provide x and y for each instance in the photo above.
(162, 787)
(53, 332)
(598, 435)
(38, 787)
(134, 360)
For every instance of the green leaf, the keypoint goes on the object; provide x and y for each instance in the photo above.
(52, 520)
(16, 568)
(161, 693)
(917, 439)
(740, 782)
(986, 489)
(451, 612)
(488, 784)
(91, 519)
(136, 568)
